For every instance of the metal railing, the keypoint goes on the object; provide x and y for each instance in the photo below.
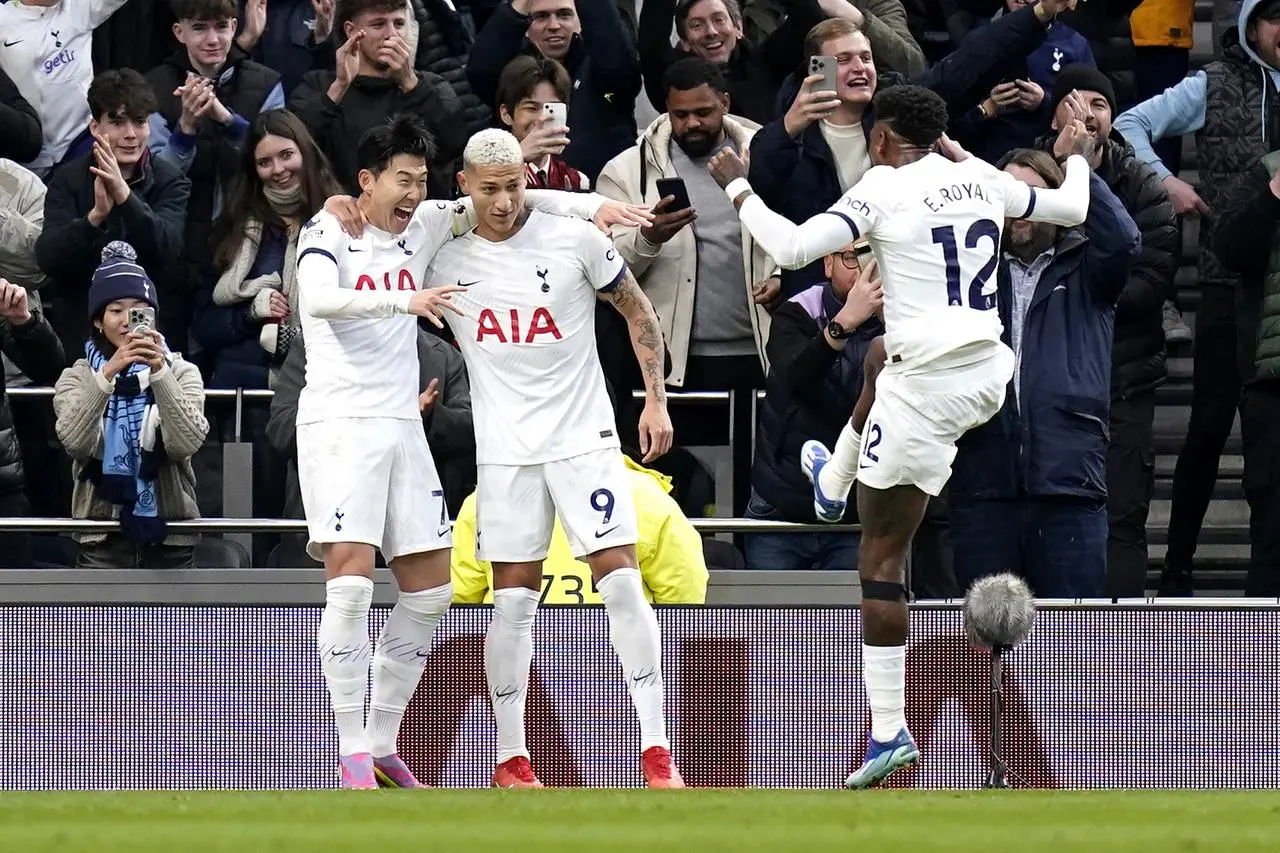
(290, 525)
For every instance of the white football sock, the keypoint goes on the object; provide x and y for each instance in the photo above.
(398, 660)
(837, 476)
(343, 643)
(633, 627)
(508, 654)
(884, 671)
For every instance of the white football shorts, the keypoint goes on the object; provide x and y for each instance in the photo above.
(516, 507)
(919, 415)
(371, 480)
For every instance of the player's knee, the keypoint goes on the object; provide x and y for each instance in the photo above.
(348, 559)
(517, 576)
(609, 560)
(349, 596)
(874, 590)
(422, 571)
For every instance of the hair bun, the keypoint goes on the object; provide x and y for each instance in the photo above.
(118, 249)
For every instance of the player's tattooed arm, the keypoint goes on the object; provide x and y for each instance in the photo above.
(656, 433)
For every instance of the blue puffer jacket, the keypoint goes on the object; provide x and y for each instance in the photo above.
(1053, 439)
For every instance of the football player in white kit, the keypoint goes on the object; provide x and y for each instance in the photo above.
(934, 225)
(367, 476)
(546, 439)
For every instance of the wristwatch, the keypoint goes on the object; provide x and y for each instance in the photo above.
(836, 331)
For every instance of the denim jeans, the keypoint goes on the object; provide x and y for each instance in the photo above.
(778, 551)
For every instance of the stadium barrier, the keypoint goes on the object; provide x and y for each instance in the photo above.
(230, 696)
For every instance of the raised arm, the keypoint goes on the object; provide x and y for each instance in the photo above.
(1066, 206)
(321, 296)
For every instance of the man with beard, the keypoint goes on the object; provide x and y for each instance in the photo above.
(712, 285)
(1138, 356)
(1029, 487)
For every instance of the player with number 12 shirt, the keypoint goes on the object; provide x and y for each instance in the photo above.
(546, 437)
(934, 224)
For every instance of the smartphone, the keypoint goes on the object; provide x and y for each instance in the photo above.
(555, 114)
(142, 317)
(675, 187)
(863, 251)
(828, 67)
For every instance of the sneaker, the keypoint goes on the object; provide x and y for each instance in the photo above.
(813, 457)
(1175, 331)
(515, 773)
(659, 771)
(357, 771)
(883, 759)
(392, 772)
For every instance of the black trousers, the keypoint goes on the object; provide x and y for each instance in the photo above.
(1260, 434)
(1215, 396)
(1131, 479)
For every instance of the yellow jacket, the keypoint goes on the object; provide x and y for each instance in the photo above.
(669, 551)
(1163, 23)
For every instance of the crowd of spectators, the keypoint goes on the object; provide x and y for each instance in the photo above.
(162, 155)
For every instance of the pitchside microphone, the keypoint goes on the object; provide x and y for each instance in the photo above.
(999, 612)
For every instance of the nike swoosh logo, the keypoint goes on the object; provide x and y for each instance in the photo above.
(12, 43)
(603, 533)
(505, 695)
(462, 283)
(443, 531)
(355, 248)
(862, 465)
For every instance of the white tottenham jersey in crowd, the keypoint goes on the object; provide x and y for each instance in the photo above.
(934, 226)
(46, 51)
(528, 338)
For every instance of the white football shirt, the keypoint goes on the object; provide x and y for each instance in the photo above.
(353, 299)
(935, 227)
(528, 338)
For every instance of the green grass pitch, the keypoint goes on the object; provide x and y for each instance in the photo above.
(653, 821)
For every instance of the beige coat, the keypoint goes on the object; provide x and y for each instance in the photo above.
(668, 274)
(80, 401)
(21, 220)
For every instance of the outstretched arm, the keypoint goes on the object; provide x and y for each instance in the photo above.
(794, 246)
(646, 339)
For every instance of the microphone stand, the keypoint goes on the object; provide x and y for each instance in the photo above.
(997, 770)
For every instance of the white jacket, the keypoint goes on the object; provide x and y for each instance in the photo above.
(21, 221)
(668, 274)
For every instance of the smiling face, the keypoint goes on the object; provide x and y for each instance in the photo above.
(278, 162)
(552, 26)
(856, 75)
(207, 42)
(393, 194)
(710, 31)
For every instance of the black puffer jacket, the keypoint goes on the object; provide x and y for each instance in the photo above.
(36, 350)
(1138, 360)
(444, 43)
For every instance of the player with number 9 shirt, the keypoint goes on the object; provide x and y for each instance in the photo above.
(934, 224)
(546, 439)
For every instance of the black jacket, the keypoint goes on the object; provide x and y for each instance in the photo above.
(21, 136)
(242, 86)
(367, 103)
(797, 177)
(69, 248)
(604, 67)
(444, 43)
(37, 352)
(1138, 362)
(754, 73)
(1050, 437)
(810, 391)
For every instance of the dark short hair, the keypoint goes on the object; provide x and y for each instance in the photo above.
(348, 10)
(916, 113)
(400, 134)
(524, 74)
(691, 72)
(1037, 161)
(733, 7)
(204, 10)
(121, 92)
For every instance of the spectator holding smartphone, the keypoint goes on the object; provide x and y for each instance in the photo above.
(131, 416)
(530, 90)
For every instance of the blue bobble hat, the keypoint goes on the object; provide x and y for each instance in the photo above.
(119, 277)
